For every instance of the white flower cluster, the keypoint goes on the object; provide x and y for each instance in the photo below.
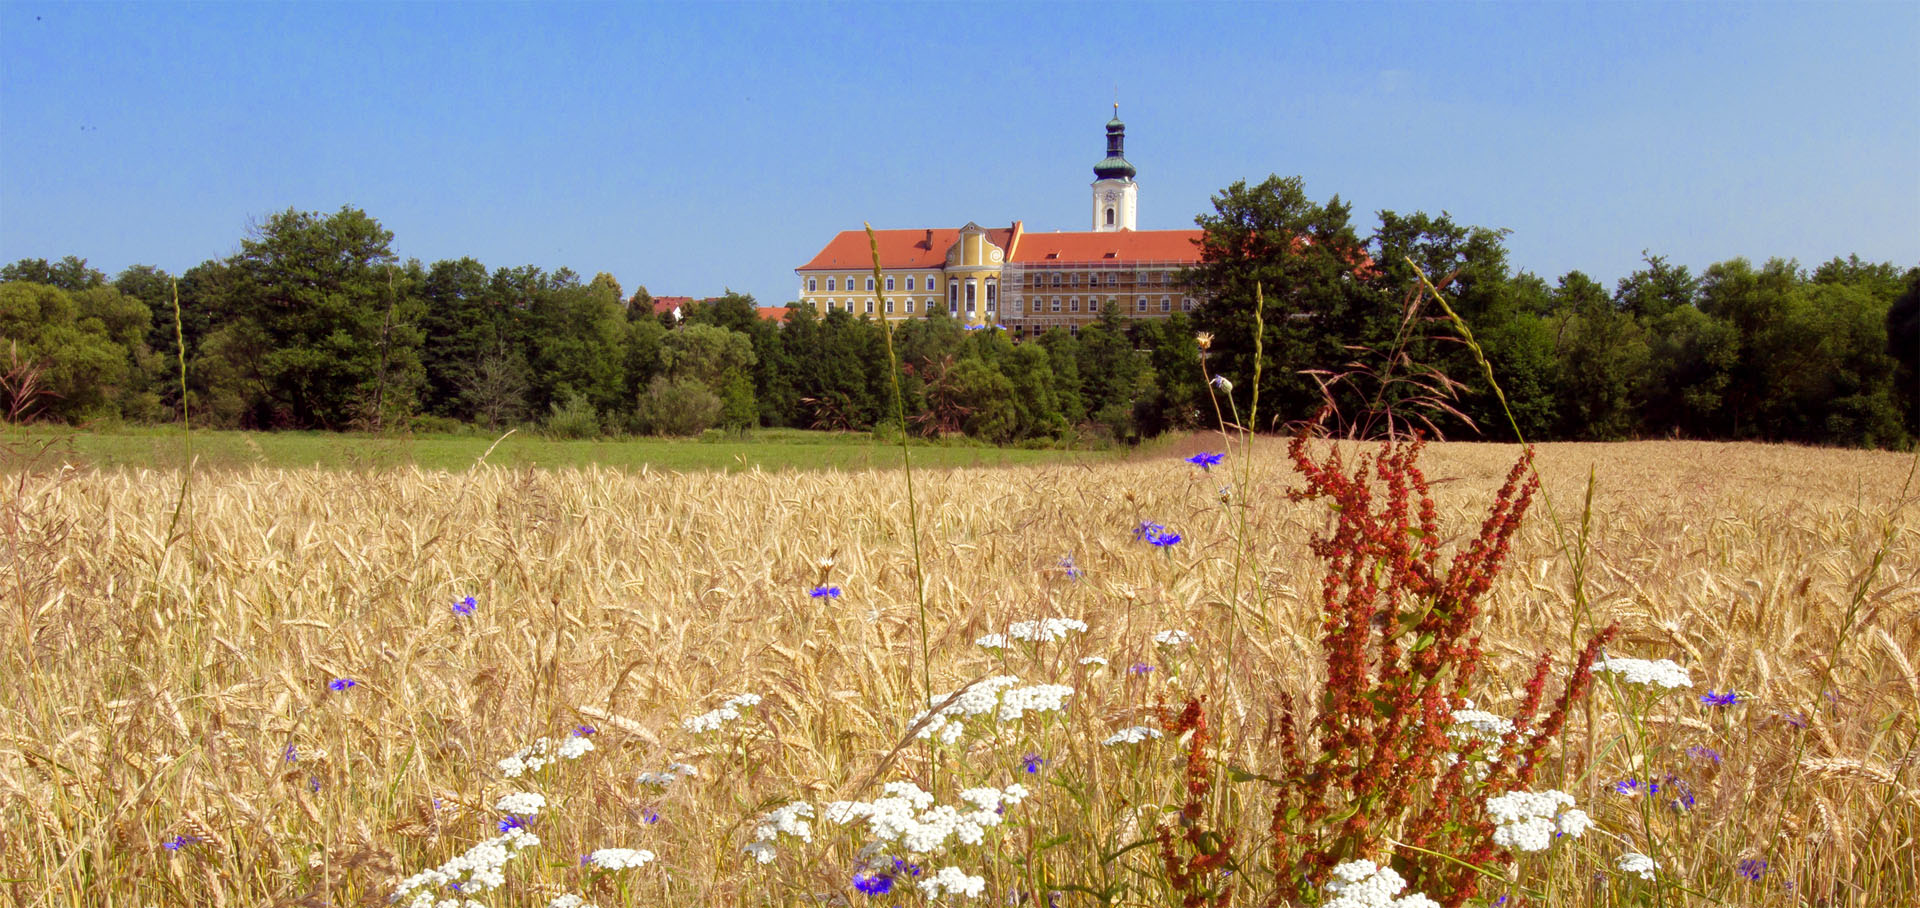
(424, 900)
(1527, 821)
(996, 696)
(1637, 863)
(570, 900)
(673, 773)
(727, 712)
(1364, 884)
(1094, 660)
(620, 858)
(1134, 735)
(1173, 638)
(521, 804)
(953, 881)
(906, 815)
(789, 820)
(1646, 671)
(476, 870)
(538, 754)
(1046, 630)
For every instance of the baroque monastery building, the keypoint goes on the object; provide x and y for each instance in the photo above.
(1005, 276)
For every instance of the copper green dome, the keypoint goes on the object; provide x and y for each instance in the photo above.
(1115, 166)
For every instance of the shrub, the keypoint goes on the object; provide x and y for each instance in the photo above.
(576, 418)
(678, 406)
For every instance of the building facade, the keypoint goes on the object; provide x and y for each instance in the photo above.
(1007, 277)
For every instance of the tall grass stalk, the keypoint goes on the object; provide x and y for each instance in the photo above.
(906, 466)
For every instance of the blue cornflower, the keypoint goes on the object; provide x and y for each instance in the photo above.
(292, 754)
(1753, 869)
(1206, 460)
(1795, 719)
(1032, 763)
(873, 883)
(1139, 668)
(341, 683)
(902, 866)
(1712, 698)
(649, 816)
(824, 592)
(313, 782)
(1073, 573)
(581, 731)
(1703, 752)
(1146, 531)
(1165, 539)
(510, 822)
(465, 606)
(178, 842)
(1627, 786)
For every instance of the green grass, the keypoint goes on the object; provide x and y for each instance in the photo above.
(771, 449)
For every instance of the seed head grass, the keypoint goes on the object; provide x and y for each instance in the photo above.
(173, 734)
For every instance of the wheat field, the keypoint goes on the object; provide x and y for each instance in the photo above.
(175, 730)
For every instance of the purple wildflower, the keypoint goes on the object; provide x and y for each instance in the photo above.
(873, 883)
(1205, 460)
(465, 606)
(1713, 698)
(824, 592)
(341, 683)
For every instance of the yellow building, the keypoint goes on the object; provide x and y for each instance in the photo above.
(1005, 276)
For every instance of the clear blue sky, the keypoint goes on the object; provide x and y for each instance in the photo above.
(692, 148)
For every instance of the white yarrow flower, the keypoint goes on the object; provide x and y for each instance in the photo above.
(521, 804)
(1664, 673)
(953, 881)
(1528, 821)
(1133, 735)
(1637, 863)
(1094, 660)
(992, 641)
(1173, 638)
(620, 858)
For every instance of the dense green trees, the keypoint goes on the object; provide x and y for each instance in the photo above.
(316, 323)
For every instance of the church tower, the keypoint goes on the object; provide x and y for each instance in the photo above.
(1114, 191)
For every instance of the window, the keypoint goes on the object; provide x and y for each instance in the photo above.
(953, 298)
(993, 295)
(1166, 305)
(830, 286)
(1073, 280)
(889, 300)
(1056, 278)
(1186, 305)
(909, 283)
(1016, 304)
(1140, 304)
(813, 285)
(1166, 276)
(1109, 215)
(1113, 279)
(869, 283)
(1073, 305)
(869, 301)
(1056, 304)
(909, 303)
(973, 290)
(889, 283)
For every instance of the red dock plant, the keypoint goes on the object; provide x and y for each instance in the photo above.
(1402, 654)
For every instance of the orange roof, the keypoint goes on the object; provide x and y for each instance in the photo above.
(773, 313)
(1118, 246)
(924, 248)
(665, 304)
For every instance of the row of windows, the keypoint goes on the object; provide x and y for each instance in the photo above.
(1073, 279)
(1072, 304)
(833, 283)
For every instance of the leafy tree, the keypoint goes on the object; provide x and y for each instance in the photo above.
(496, 390)
(79, 365)
(678, 406)
(1903, 345)
(1656, 290)
(342, 335)
(70, 273)
(1312, 272)
(1602, 361)
(580, 344)
(458, 319)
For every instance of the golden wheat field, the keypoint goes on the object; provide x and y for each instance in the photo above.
(175, 730)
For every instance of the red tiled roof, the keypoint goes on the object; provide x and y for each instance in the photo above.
(665, 304)
(773, 313)
(922, 248)
(1118, 246)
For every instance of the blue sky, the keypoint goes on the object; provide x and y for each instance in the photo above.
(693, 148)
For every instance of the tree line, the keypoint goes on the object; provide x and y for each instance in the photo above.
(316, 324)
